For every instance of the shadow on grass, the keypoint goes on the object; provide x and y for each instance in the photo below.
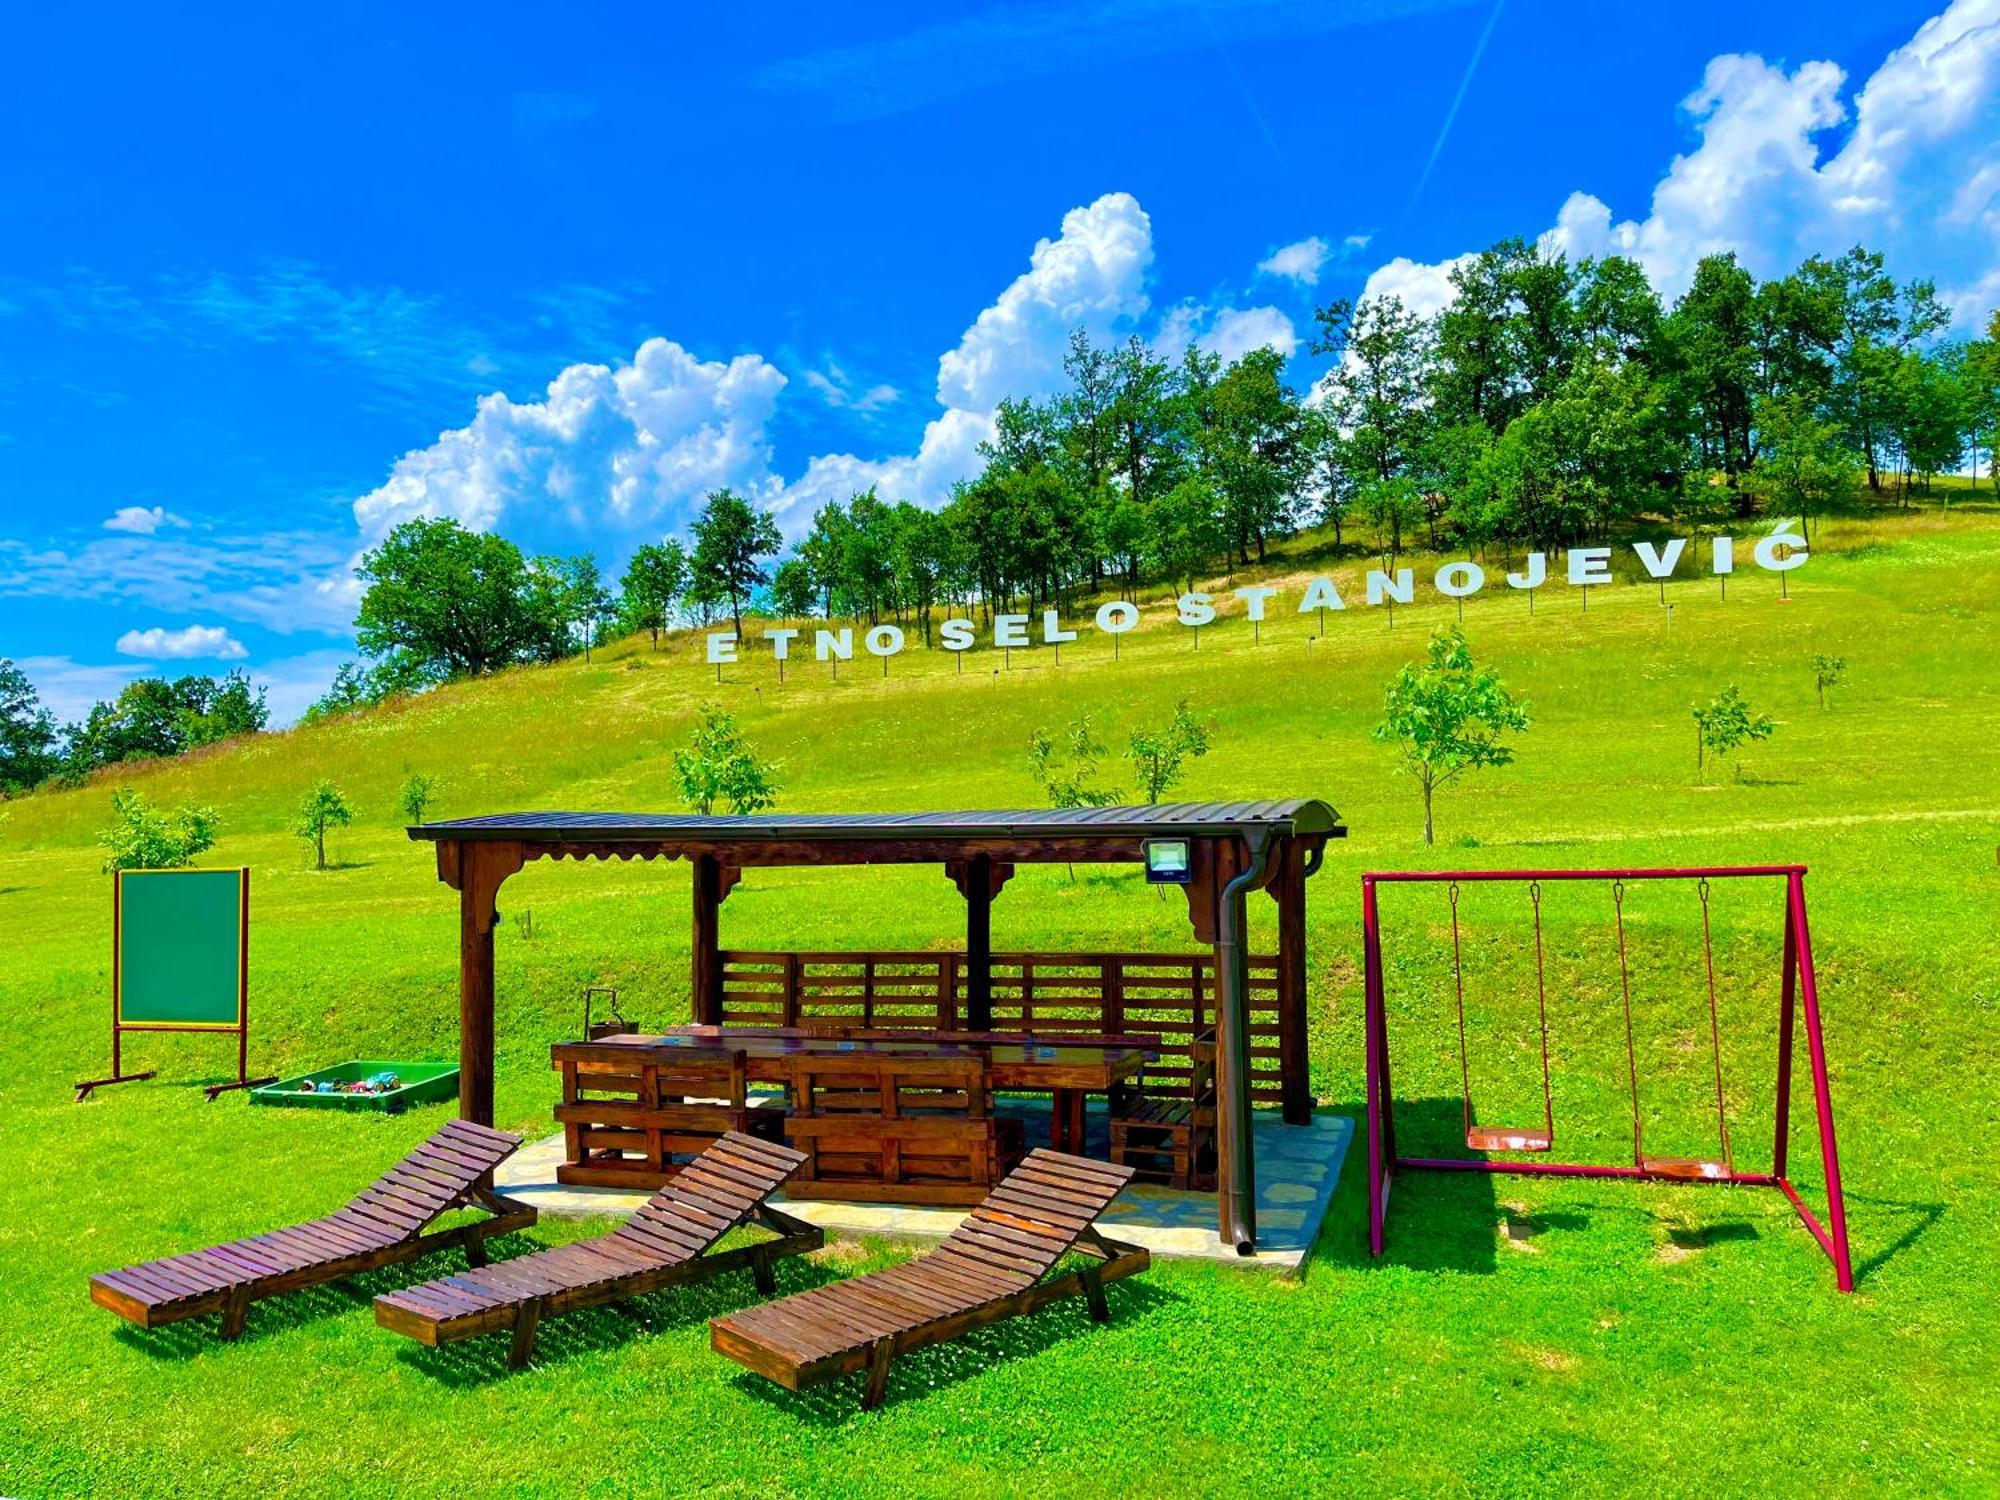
(1707, 1236)
(481, 1361)
(920, 1372)
(289, 1310)
(1438, 1221)
(1923, 1216)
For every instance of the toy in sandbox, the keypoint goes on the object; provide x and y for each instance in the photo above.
(1798, 998)
(180, 961)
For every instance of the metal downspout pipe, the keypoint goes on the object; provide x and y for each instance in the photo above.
(1232, 1037)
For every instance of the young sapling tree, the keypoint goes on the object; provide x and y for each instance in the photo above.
(719, 765)
(1447, 715)
(324, 807)
(1159, 756)
(1725, 724)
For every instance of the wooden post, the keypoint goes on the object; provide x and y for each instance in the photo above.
(475, 1009)
(476, 870)
(979, 943)
(704, 953)
(1294, 1059)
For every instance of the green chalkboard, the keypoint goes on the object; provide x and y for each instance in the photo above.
(180, 947)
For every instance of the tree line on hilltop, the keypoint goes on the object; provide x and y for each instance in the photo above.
(1548, 403)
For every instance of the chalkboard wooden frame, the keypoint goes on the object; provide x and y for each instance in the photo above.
(156, 1015)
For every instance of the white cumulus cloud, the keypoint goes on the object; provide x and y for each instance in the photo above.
(1229, 333)
(1917, 177)
(608, 451)
(1091, 276)
(142, 520)
(1300, 261)
(210, 642)
(625, 446)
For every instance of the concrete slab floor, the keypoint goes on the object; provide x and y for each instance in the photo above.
(1298, 1168)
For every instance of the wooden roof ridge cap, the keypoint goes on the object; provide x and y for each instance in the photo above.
(1302, 815)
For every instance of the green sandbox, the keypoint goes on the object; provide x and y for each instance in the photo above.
(423, 1083)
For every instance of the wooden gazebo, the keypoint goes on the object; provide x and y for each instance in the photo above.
(1256, 1003)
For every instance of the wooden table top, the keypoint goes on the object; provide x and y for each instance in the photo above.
(1011, 1063)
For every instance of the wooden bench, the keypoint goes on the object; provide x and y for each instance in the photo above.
(992, 1267)
(631, 1114)
(909, 1128)
(667, 1242)
(382, 1226)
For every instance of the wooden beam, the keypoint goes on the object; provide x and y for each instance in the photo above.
(1294, 1055)
(755, 853)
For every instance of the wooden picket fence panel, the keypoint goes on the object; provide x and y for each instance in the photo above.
(1171, 996)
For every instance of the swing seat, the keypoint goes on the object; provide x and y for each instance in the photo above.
(1685, 1168)
(1503, 1138)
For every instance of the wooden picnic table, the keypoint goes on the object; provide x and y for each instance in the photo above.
(1069, 1071)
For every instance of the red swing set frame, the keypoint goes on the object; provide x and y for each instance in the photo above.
(1800, 992)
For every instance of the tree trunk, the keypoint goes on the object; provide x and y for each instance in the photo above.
(1429, 792)
(319, 845)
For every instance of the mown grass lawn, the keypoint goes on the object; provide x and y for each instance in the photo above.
(1521, 1338)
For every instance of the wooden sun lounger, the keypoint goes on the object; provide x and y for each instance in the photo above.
(990, 1268)
(665, 1243)
(383, 1226)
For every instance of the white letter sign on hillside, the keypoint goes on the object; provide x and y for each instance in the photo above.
(1458, 580)
(1782, 549)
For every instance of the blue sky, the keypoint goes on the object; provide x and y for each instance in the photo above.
(271, 281)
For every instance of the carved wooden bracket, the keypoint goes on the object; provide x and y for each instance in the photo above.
(960, 871)
(725, 882)
(1200, 890)
(476, 870)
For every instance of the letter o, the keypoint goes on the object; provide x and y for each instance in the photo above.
(1457, 579)
(883, 640)
(1117, 617)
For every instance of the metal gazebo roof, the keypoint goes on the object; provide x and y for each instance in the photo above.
(1307, 816)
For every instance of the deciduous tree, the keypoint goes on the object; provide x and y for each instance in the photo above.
(731, 540)
(322, 808)
(719, 765)
(1447, 715)
(1725, 724)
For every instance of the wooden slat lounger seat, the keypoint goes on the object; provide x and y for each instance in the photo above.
(990, 1268)
(665, 1243)
(383, 1226)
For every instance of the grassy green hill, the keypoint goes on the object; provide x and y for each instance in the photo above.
(1524, 1338)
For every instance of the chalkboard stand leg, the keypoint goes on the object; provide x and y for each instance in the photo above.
(118, 1073)
(213, 1089)
(83, 1089)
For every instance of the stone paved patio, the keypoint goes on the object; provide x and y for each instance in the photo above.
(1298, 1168)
